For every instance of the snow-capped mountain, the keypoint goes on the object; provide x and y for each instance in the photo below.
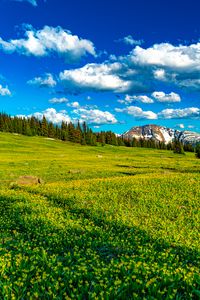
(188, 137)
(161, 134)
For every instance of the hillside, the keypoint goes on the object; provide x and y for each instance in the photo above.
(106, 223)
(162, 134)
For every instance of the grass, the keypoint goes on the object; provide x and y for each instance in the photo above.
(108, 222)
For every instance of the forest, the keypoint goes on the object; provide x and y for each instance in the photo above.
(79, 133)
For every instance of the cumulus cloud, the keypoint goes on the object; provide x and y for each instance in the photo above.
(74, 104)
(45, 81)
(137, 112)
(130, 99)
(47, 41)
(140, 71)
(179, 65)
(157, 96)
(159, 74)
(96, 77)
(4, 91)
(95, 116)
(164, 62)
(129, 40)
(58, 100)
(185, 113)
(52, 116)
(166, 55)
(166, 98)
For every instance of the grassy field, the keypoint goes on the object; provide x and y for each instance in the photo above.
(107, 223)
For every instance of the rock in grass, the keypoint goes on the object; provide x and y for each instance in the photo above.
(75, 171)
(28, 180)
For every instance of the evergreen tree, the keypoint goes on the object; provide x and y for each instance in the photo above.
(51, 130)
(169, 146)
(178, 147)
(44, 127)
(81, 133)
(197, 150)
(77, 136)
(71, 130)
(189, 147)
(83, 141)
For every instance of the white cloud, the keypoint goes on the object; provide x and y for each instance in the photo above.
(142, 99)
(96, 77)
(74, 104)
(139, 72)
(166, 55)
(188, 83)
(58, 100)
(181, 126)
(46, 81)
(166, 98)
(47, 41)
(52, 116)
(165, 62)
(90, 106)
(4, 91)
(191, 126)
(95, 116)
(159, 74)
(129, 40)
(157, 96)
(185, 113)
(138, 113)
(112, 57)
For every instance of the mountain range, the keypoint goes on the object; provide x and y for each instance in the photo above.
(162, 134)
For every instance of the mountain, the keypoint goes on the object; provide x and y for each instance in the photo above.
(188, 137)
(161, 134)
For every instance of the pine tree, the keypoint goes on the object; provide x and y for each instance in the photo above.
(71, 130)
(51, 130)
(102, 138)
(44, 127)
(197, 150)
(33, 125)
(178, 147)
(169, 146)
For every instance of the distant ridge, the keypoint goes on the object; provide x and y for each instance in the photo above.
(161, 134)
(188, 137)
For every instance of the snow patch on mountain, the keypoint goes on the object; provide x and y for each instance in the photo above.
(161, 134)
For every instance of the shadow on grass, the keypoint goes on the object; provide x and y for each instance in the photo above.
(133, 167)
(172, 169)
(107, 252)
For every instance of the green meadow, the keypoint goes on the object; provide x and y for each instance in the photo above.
(105, 223)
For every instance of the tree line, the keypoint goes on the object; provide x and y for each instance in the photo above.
(79, 133)
(32, 126)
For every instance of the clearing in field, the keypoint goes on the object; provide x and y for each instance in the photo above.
(101, 222)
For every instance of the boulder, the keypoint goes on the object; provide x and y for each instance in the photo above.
(28, 180)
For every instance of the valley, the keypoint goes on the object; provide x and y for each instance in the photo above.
(104, 223)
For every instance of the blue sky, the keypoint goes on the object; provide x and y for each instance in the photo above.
(114, 64)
